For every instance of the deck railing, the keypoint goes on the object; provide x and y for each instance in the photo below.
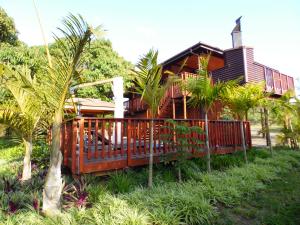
(175, 91)
(96, 145)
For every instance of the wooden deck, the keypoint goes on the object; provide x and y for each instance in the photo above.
(96, 145)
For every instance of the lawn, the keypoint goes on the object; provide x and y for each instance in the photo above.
(266, 191)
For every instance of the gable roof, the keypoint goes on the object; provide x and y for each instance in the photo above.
(197, 48)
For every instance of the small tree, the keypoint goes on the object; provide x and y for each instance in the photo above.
(240, 99)
(148, 83)
(183, 138)
(203, 95)
(23, 113)
(62, 71)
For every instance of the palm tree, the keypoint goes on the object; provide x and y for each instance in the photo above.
(61, 73)
(23, 113)
(204, 94)
(148, 84)
(240, 99)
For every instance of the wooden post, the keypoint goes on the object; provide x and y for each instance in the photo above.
(174, 108)
(184, 106)
(81, 146)
(262, 121)
(128, 142)
(173, 103)
(74, 145)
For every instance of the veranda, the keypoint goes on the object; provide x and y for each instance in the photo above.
(94, 145)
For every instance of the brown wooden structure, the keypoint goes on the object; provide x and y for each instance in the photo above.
(91, 144)
(223, 65)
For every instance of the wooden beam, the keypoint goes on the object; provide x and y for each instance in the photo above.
(174, 108)
(184, 107)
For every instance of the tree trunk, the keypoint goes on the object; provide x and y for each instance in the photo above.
(268, 135)
(150, 178)
(26, 175)
(268, 139)
(262, 122)
(179, 175)
(54, 185)
(207, 144)
(243, 140)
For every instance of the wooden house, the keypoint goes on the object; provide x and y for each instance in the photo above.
(91, 144)
(224, 65)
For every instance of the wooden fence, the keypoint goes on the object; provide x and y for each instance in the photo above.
(95, 145)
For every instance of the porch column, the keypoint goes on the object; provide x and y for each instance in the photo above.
(174, 108)
(184, 107)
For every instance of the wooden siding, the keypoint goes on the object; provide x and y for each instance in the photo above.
(95, 145)
(234, 66)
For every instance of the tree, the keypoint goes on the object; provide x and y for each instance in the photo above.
(147, 80)
(240, 99)
(61, 73)
(101, 62)
(19, 56)
(23, 113)
(203, 95)
(8, 30)
(285, 112)
(184, 138)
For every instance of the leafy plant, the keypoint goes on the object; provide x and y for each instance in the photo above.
(148, 84)
(120, 182)
(76, 195)
(183, 138)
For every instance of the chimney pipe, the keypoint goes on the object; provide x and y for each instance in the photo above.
(237, 34)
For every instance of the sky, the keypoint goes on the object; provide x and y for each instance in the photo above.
(272, 27)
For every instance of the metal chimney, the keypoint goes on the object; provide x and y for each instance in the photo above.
(237, 34)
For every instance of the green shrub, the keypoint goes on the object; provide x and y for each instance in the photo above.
(120, 182)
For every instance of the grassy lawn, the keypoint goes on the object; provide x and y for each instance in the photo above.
(277, 204)
(266, 191)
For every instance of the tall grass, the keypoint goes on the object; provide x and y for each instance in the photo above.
(122, 197)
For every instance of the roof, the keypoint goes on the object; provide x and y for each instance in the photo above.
(90, 104)
(193, 49)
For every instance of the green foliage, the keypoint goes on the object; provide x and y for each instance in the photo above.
(147, 80)
(120, 182)
(100, 62)
(240, 99)
(191, 202)
(183, 138)
(8, 32)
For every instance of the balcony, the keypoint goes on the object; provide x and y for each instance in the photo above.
(277, 82)
(136, 105)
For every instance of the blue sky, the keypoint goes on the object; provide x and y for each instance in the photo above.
(134, 26)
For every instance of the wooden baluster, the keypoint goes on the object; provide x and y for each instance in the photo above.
(74, 145)
(103, 150)
(63, 142)
(145, 136)
(140, 129)
(128, 142)
(81, 146)
(109, 138)
(134, 134)
(159, 128)
(89, 139)
(116, 138)
(122, 137)
(154, 136)
(96, 138)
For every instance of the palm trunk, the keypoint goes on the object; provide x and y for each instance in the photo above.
(179, 175)
(269, 141)
(150, 178)
(26, 175)
(207, 144)
(243, 140)
(262, 121)
(54, 185)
